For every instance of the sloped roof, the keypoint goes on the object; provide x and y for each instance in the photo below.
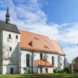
(43, 63)
(8, 27)
(37, 42)
(57, 47)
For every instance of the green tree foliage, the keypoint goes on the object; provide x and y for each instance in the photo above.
(66, 69)
(55, 70)
(29, 71)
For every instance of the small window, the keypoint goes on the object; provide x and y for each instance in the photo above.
(10, 49)
(16, 36)
(9, 35)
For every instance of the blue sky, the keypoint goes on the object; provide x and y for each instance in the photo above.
(57, 19)
(61, 11)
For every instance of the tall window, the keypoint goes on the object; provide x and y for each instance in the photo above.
(28, 60)
(40, 69)
(41, 56)
(9, 35)
(53, 61)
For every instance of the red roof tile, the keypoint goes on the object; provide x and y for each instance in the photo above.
(43, 63)
(37, 42)
(57, 47)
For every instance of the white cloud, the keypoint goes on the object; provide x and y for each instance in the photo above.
(28, 15)
(71, 52)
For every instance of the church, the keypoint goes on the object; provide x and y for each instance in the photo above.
(22, 51)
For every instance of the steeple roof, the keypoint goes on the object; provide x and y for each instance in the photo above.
(7, 14)
(8, 27)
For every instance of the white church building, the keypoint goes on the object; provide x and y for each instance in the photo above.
(21, 51)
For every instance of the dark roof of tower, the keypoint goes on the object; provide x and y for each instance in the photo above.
(8, 27)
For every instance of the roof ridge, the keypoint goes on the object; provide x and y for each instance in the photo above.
(32, 32)
(9, 23)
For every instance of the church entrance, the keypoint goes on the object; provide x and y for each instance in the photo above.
(11, 70)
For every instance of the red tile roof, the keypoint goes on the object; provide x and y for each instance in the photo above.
(43, 63)
(37, 42)
(57, 47)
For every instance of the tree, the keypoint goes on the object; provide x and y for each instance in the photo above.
(66, 69)
(4, 55)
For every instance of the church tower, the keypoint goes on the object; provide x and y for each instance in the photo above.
(7, 15)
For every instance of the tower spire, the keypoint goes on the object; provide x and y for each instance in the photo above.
(7, 14)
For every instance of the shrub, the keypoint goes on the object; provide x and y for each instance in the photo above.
(60, 71)
(55, 70)
(29, 71)
(66, 69)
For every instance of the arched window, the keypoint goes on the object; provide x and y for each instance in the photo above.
(52, 60)
(28, 60)
(41, 56)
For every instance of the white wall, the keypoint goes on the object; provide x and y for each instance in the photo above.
(0, 50)
(62, 61)
(12, 54)
(23, 58)
(6, 69)
(22, 61)
(50, 70)
(49, 57)
(36, 56)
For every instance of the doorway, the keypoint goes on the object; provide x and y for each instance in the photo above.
(46, 70)
(11, 70)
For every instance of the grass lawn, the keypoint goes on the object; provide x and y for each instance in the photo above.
(39, 76)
